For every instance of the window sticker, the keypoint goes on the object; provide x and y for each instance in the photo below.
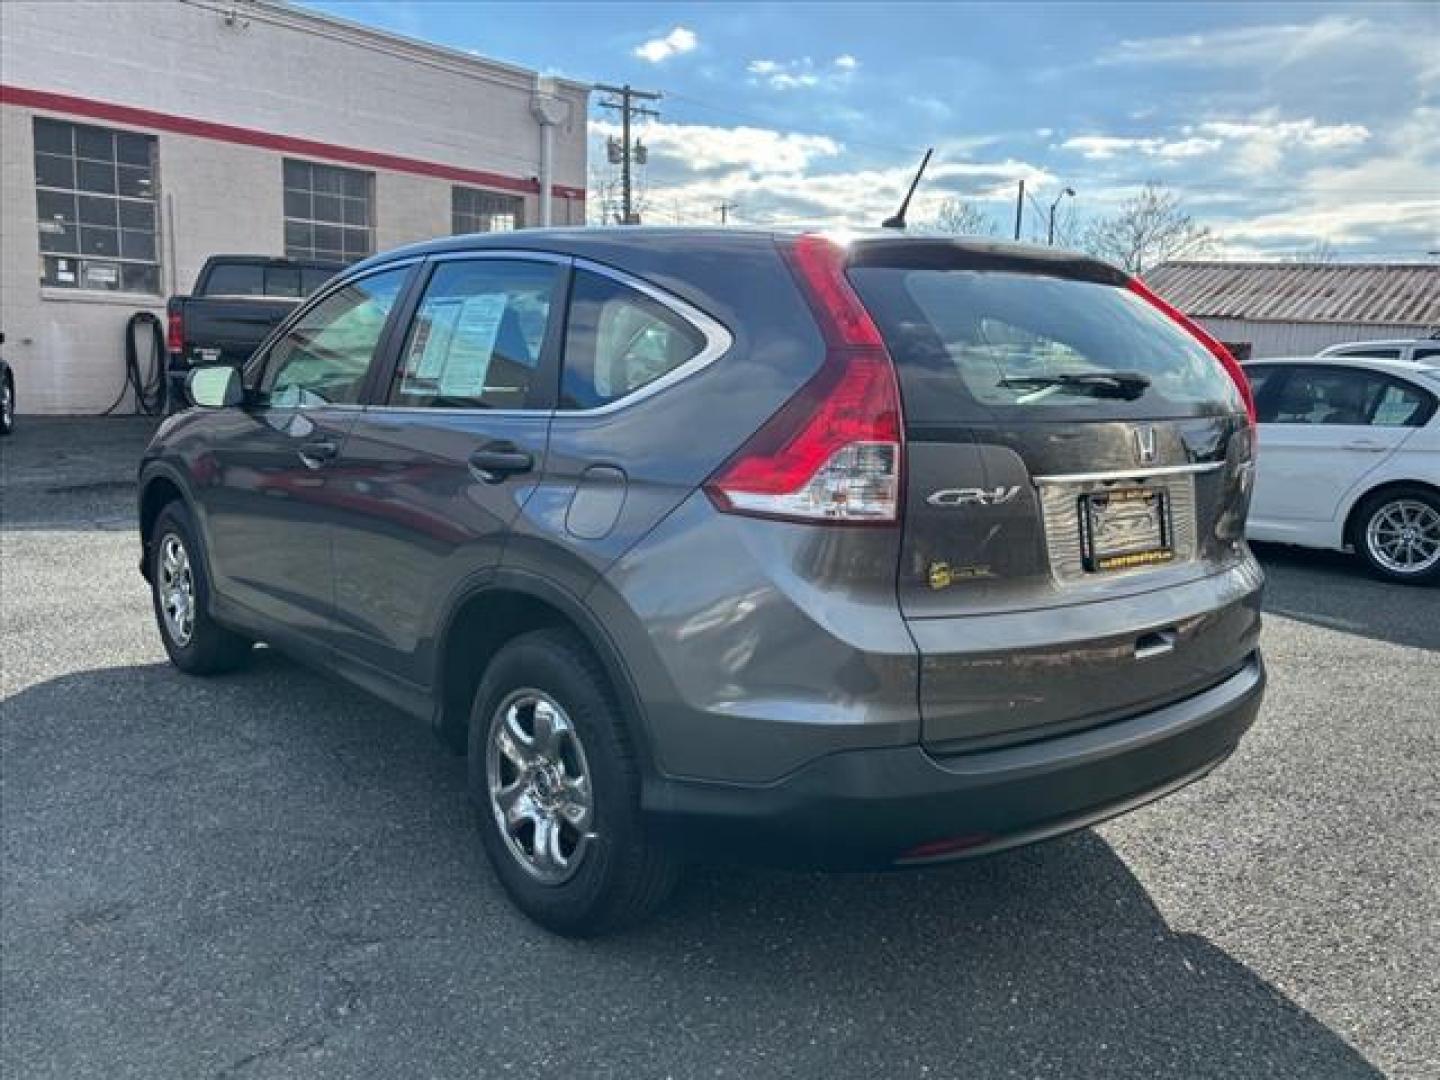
(432, 340)
(472, 346)
(452, 346)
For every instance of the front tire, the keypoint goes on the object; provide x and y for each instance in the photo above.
(1397, 533)
(556, 788)
(180, 592)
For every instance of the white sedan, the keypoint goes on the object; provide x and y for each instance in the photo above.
(1349, 459)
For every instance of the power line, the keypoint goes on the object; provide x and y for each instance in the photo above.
(623, 99)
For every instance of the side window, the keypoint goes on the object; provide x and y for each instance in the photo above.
(1402, 406)
(1425, 353)
(1369, 353)
(325, 356)
(619, 340)
(312, 277)
(1336, 395)
(1263, 377)
(477, 336)
(282, 281)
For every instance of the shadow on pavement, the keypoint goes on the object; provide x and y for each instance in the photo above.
(72, 472)
(269, 874)
(1334, 590)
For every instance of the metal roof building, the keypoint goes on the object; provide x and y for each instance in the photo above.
(1296, 309)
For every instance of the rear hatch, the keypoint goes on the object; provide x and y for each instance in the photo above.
(1077, 474)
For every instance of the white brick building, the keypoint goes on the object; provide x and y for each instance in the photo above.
(139, 139)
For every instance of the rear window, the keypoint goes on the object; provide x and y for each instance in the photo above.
(973, 344)
(255, 279)
(236, 279)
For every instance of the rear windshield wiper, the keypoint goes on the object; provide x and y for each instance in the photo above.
(1128, 385)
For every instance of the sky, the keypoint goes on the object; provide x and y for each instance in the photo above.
(1284, 128)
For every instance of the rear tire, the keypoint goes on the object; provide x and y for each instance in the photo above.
(180, 593)
(556, 789)
(1397, 533)
(7, 405)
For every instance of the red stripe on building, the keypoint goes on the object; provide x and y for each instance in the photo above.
(288, 144)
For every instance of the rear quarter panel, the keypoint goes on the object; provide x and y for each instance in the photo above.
(645, 458)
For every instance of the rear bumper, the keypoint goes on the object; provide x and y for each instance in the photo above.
(867, 809)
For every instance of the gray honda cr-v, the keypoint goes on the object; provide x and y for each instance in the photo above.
(841, 552)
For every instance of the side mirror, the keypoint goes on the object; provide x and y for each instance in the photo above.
(215, 387)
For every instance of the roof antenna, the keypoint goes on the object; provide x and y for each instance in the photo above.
(898, 220)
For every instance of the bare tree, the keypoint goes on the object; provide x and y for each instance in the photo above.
(1149, 229)
(958, 216)
(603, 203)
(1319, 252)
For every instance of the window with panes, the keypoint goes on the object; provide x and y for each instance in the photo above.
(472, 211)
(329, 212)
(96, 200)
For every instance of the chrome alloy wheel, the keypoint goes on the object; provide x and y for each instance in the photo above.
(540, 790)
(7, 404)
(1404, 536)
(177, 589)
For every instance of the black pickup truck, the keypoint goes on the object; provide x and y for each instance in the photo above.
(236, 302)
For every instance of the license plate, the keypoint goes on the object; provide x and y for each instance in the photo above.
(1124, 528)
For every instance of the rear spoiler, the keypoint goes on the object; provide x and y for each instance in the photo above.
(939, 253)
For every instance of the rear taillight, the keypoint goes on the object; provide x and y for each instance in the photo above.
(834, 452)
(175, 332)
(1220, 352)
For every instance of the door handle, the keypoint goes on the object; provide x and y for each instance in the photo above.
(1366, 445)
(494, 462)
(1154, 644)
(318, 454)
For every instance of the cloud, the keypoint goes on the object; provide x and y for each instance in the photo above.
(789, 178)
(1104, 147)
(1240, 46)
(1263, 141)
(1341, 40)
(1259, 142)
(803, 73)
(1388, 197)
(705, 148)
(677, 41)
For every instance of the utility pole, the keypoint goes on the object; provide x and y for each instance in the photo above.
(725, 208)
(623, 99)
(1019, 208)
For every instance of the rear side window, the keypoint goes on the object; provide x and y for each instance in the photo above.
(1348, 396)
(477, 336)
(618, 341)
(973, 344)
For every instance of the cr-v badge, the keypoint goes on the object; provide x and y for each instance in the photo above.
(972, 496)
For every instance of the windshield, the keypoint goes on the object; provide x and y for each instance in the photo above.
(971, 343)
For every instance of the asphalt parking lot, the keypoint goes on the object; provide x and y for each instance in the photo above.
(270, 875)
